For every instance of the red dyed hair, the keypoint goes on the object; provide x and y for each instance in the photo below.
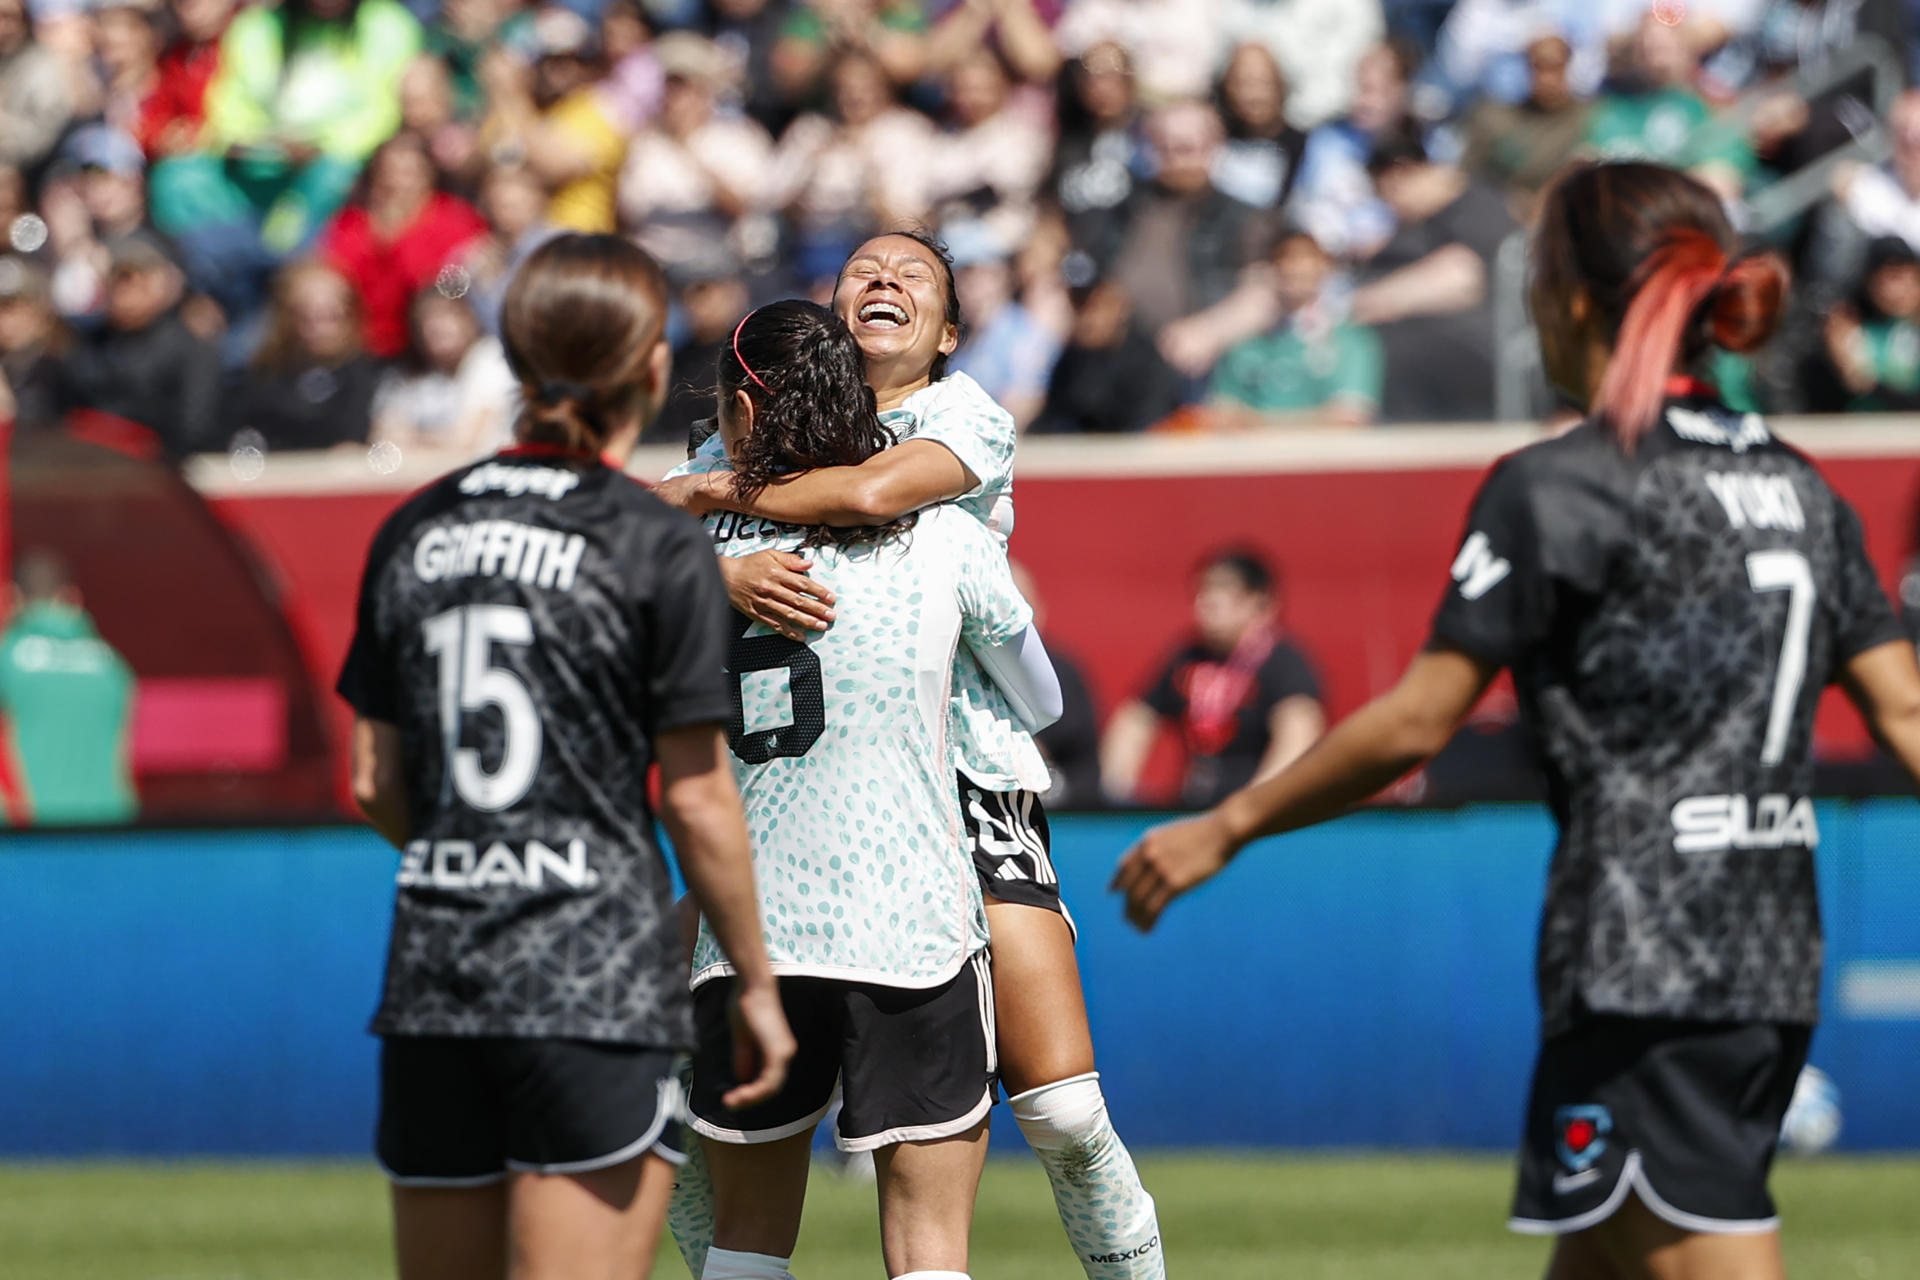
(1652, 250)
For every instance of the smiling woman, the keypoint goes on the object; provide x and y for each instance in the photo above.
(896, 294)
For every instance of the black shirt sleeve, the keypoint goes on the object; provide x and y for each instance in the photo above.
(1862, 618)
(1164, 695)
(685, 618)
(1498, 603)
(367, 679)
(1287, 673)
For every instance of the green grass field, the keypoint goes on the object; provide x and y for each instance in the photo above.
(1224, 1218)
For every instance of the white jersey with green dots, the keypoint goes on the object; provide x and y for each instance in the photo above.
(990, 746)
(841, 746)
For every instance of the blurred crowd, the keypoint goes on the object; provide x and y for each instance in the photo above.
(290, 224)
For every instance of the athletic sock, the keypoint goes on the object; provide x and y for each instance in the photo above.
(934, 1275)
(690, 1211)
(725, 1264)
(1108, 1215)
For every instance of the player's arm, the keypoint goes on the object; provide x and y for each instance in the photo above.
(1025, 674)
(907, 477)
(701, 808)
(380, 779)
(1884, 683)
(1124, 748)
(1395, 733)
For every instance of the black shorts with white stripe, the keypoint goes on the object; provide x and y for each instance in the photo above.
(459, 1111)
(1012, 847)
(911, 1064)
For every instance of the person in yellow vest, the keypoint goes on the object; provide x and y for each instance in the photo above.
(68, 700)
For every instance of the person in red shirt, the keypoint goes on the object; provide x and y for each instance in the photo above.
(170, 117)
(394, 237)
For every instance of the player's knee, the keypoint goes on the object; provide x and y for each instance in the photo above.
(726, 1264)
(1061, 1114)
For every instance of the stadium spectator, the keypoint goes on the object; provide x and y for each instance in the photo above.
(144, 363)
(1652, 111)
(1110, 377)
(1245, 698)
(635, 82)
(1519, 146)
(303, 93)
(1005, 349)
(1314, 366)
(515, 203)
(36, 95)
(714, 299)
(994, 154)
(465, 32)
(1319, 44)
(311, 385)
(1173, 45)
(1874, 346)
(393, 239)
(691, 188)
(1334, 198)
(1882, 200)
(1260, 159)
(1428, 292)
(1185, 241)
(33, 344)
(95, 195)
(1019, 30)
(126, 45)
(747, 32)
(430, 108)
(551, 117)
(68, 699)
(1101, 154)
(173, 114)
(839, 177)
(814, 33)
(452, 394)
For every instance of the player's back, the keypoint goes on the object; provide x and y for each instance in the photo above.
(519, 624)
(1671, 617)
(844, 760)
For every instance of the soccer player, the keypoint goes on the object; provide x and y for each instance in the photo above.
(534, 630)
(896, 294)
(873, 911)
(1672, 587)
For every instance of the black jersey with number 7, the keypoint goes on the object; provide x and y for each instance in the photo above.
(530, 624)
(1671, 618)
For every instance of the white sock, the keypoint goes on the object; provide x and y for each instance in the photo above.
(1109, 1216)
(934, 1275)
(690, 1211)
(725, 1264)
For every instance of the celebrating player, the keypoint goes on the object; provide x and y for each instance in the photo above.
(896, 294)
(874, 917)
(533, 630)
(1672, 588)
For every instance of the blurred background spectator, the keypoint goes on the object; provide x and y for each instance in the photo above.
(714, 298)
(36, 91)
(1260, 158)
(1110, 376)
(1874, 345)
(311, 385)
(1519, 146)
(68, 701)
(175, 109)
(1005, 348)
(452, 394)
(1071, 744)
(1246, 700)
(33, 345)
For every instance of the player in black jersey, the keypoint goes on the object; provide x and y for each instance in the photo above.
(1672, 588)
(534, 631)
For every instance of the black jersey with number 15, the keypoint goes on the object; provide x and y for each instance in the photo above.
(530, 623)
(1671, 618)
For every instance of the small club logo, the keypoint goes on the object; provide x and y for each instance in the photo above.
(1582, 1135)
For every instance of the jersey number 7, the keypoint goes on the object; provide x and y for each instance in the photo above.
(1785, 571)
(751, 654)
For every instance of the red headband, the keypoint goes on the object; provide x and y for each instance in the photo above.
(736, 350)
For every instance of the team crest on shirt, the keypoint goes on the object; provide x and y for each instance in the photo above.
(1580, 1134)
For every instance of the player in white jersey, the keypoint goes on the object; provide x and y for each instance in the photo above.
(896, 294)
(870, 907)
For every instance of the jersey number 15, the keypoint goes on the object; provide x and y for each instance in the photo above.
(463, 640)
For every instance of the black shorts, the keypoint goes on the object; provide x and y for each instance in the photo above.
(461, 1111)
(1012, 847)
(1686, 1114)
(910, 1064)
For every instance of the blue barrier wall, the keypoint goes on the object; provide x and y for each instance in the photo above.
(1367, 983)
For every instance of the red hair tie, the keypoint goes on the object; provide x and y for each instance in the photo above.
(742, 359)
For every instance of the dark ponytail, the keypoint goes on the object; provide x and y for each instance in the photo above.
(581, 322)
(1653, 250)
(806, 377)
